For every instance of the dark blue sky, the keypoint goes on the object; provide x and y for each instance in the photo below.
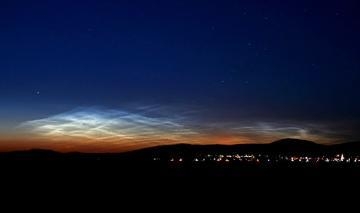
(257, 60)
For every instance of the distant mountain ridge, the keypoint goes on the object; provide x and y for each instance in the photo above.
(287, 145)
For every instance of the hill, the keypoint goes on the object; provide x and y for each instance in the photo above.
(284, 146)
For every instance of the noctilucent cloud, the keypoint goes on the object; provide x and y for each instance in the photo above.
(120, 75)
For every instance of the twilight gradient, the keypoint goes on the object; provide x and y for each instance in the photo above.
(178, 71)
(97, 129)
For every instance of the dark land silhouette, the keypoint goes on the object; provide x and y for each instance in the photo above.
(287, 156)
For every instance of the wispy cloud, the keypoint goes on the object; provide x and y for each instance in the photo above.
(153, 125)
(112, 126)
(267, 131)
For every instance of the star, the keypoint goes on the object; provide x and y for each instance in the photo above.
(37, 92)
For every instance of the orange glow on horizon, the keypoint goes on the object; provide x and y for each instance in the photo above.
(89, 145)
(101, 130)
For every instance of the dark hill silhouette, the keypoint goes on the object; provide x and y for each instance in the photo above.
(32, 153)
(191, 150)
(188, 150)
(282, 146)
(165, 160)
(296, 145)
(295, 142)
(352, 147)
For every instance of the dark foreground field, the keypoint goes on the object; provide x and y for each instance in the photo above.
(284, 159)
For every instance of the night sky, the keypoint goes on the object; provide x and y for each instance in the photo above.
(119, 75)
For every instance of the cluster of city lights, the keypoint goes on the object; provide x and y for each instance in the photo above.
(264, 158)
